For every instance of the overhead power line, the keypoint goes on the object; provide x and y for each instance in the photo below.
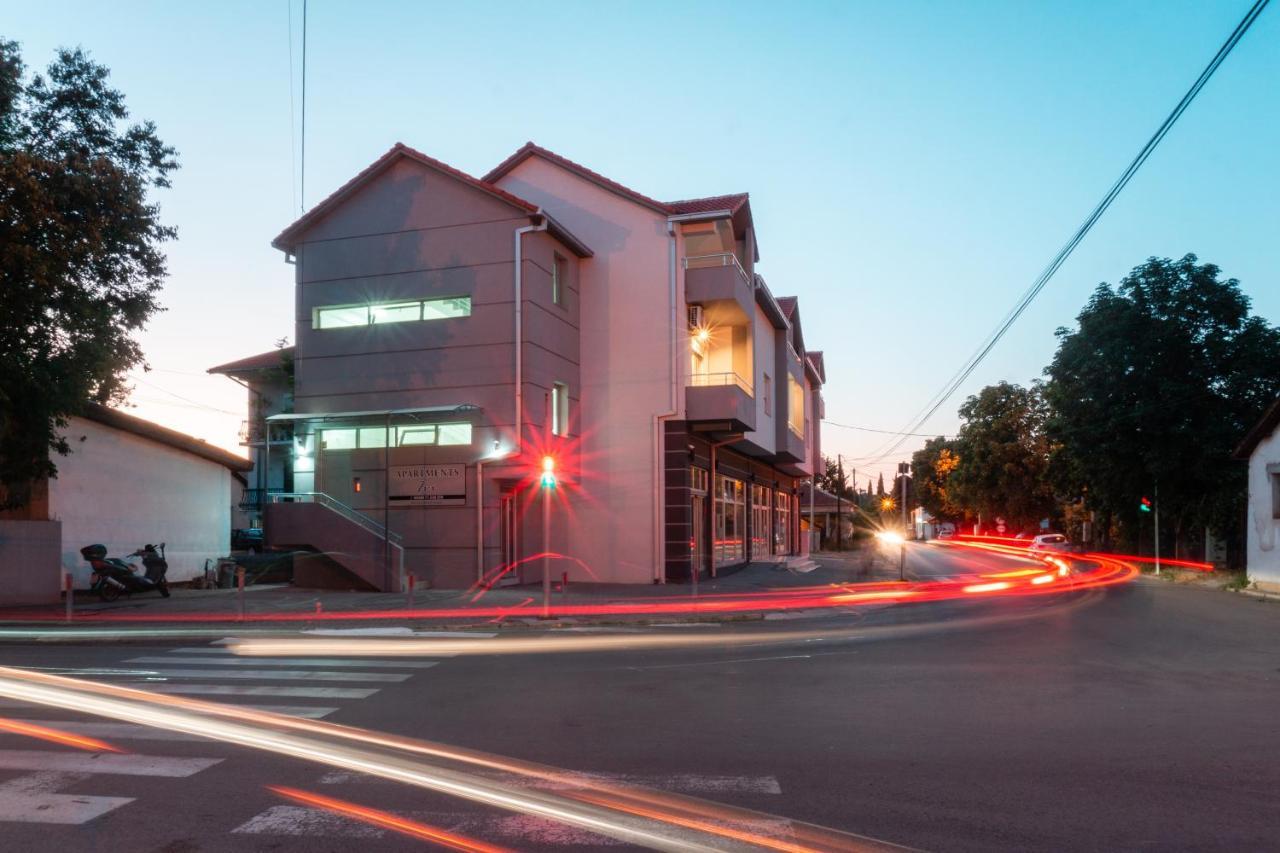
(1065, 252)
(883, 431)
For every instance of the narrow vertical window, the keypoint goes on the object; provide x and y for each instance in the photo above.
(559, 409)
(768, 403)
(557, 279)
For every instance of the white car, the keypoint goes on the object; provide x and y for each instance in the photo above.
(1050, 542)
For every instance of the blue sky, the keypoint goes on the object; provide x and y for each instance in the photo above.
(912, 166)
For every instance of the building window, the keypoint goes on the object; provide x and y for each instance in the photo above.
(782, 524)
(1275, 494)
(768, 396)
(416, 435)
(559, 409)
(380, 313)
(557, 279)
(731, 510)
(761, 528)
(795, 406)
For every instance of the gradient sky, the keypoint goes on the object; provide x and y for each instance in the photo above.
(912, 166)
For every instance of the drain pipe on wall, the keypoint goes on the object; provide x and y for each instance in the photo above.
(518, 337)
(660, 419)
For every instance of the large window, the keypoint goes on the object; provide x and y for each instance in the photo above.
(413, 435)
(559, 409)
(761, 529)
(795, 406)
(731, 511)
(379, 313)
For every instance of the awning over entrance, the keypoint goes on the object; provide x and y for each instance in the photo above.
(456, 409)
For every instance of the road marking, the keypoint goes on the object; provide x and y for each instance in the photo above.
(721, 662)
(265, 690)
(115, 731)
(685, 782)
(297, 820)
(31, 799)
(257, 661)
(101, 762)
(272, 674)
(309, 712)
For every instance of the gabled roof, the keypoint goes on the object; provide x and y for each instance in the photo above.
(818, 364)
(791, 307)
(732, 203)
(1263, 428)
(117, 419)
(288, 237)
(529, 149)
(788, 305)
(270, 360)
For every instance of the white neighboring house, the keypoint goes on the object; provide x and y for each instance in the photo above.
(1261, 447)
(128, 482)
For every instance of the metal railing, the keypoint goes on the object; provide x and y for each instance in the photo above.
(706, 380)
(353, 515)
(255, 498)
(718, 259)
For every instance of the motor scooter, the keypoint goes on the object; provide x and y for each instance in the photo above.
(113, 576)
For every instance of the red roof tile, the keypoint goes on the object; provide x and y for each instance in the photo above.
(788, 305)
(286, 238)
(529, 149)
(732, 203)
(261, 361)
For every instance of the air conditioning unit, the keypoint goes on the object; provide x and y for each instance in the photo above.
(695, 317)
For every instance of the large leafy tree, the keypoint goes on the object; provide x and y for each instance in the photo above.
(1156, 385)
(1003, 456)
(931, 469)
(80, 256)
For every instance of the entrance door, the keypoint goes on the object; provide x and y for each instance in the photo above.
(698, 543)
(510, 538)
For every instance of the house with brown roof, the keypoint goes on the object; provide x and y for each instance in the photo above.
(1260, 448)
(457, 335)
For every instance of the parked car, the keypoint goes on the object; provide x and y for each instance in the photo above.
(247, 539)
(946, 530)
(1050, 542)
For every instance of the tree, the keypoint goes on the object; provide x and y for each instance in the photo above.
(833, 479)
(1157, 384)
(1003, 455)
(932, 467)
(80, 257)
(880, 487)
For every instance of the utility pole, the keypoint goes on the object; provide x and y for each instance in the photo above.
(546, 519)
(1156, 495)
(903, 468)
(839, 489)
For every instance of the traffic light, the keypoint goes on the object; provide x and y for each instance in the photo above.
(1145, 506)
(548, 472)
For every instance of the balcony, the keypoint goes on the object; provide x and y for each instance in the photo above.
(720, 280)
(791, 446)
(721, 401)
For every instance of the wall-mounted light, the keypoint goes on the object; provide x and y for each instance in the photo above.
(300, 446)
(355, 485)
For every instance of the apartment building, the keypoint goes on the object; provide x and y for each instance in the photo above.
(537, 361)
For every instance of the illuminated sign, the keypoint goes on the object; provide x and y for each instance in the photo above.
(428, 485)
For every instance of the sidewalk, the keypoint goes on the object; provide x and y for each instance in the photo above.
(731, 597)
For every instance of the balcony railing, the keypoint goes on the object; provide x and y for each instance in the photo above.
(255, 498)
(718, 259)
(706, 380)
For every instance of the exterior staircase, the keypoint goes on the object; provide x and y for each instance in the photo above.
(351, 540)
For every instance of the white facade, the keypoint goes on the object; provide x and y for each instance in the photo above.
(1263, 549)
(125, 490)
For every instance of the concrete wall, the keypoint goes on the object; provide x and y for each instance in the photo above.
(765, 435)
(415, 233)
(1263, 554)
(30, 571)
(626, 380)
(123, 491)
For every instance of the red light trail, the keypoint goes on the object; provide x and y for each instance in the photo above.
(92, 744)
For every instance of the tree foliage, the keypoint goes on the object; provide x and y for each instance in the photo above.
(1157, 384)
(80, 257)
(932, 467)
(1003, 456)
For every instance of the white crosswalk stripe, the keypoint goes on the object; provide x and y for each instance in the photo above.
(225, 659)
(130, 764)
(684, 783)
(34, 799)
(265, 690)
(272, 674)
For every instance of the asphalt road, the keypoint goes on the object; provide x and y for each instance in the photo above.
(1140, 717)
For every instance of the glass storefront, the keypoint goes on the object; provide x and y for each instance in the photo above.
(761, 528)
(698, 482)
(782, 524)
(731, 511)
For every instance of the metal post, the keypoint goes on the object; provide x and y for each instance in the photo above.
(240, 591)
(902, 475)
(902, 561)
(546, 521)
(70, 595)
(839, 489)
(1157, 514)
(712, 493)
(408, 596)
(386, 503)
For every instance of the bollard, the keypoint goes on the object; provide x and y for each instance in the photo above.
(319, 609)
(240, 590)
(564, 585)
(70, 594)
(408, 593)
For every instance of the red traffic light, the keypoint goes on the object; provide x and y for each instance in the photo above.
(548, 472)
(1145, 506)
